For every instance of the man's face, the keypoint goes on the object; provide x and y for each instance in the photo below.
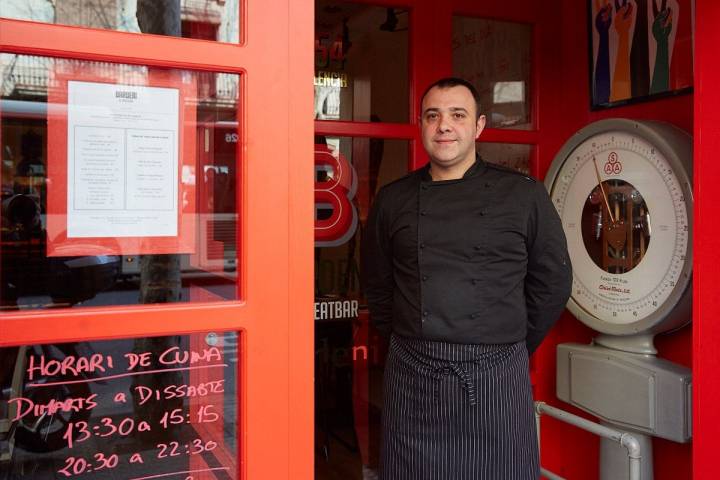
(449, 128)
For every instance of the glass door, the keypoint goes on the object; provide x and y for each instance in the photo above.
(373, 60)
(147, 270)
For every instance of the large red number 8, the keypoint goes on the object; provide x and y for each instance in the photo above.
(335, 193)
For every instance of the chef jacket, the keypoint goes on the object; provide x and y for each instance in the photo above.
(477, 260)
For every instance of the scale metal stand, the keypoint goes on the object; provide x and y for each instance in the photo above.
(621, 381)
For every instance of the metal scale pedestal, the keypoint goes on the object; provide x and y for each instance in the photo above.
(630, 390)
(614, 461)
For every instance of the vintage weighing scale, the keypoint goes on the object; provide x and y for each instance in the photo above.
(623, 189)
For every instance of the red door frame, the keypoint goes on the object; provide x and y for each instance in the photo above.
(706, 244)
(276, 137)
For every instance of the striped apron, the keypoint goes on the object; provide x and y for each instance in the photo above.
(457, 412)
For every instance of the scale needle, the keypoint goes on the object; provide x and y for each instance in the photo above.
(602, 189)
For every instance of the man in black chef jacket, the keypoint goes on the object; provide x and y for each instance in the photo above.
(466, 269)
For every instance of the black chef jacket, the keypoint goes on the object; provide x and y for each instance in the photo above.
(478, 260)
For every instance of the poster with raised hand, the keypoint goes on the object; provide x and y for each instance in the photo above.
(640, 49)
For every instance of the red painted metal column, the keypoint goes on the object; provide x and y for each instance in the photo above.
(706, 244)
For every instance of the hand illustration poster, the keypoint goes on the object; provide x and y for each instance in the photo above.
(640, 49)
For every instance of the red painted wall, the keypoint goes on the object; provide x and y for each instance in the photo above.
(564, 108)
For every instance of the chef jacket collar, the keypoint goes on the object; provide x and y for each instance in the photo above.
(475, 170)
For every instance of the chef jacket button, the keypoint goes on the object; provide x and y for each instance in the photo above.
(483, 212)
(425, 313)
(424, 187)
(424, 277)
(423, 213)
(474, 281)
(474, 315)
(422, 245)
(478, 247)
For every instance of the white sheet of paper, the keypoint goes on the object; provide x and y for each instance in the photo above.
(122, 160)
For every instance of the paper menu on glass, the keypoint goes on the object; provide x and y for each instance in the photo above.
(122, 160)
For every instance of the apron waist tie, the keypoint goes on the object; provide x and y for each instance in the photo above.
(465, 380)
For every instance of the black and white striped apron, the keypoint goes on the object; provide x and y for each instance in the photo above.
(458, 412)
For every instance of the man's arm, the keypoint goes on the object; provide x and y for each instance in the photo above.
(549, 273)
(377, 267)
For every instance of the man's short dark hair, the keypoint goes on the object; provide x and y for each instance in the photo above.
(449, 82)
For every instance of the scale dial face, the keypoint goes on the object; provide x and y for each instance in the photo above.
(623, 192)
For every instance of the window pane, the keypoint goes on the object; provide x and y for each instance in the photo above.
(349, 354)
(118, 184)
(509, 155)
(135, 408)
(217, 20)
(361, 62)
(495, 57)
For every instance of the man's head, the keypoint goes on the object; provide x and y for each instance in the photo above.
(450, 123)
(449, 82)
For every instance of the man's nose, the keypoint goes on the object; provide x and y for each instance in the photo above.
(444, 124)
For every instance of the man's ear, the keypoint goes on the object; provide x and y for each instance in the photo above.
(480, 126)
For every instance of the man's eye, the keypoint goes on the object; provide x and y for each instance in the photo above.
(459, 116)
(431, 116)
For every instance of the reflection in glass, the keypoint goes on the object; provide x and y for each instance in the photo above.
(360, 168)
(361, 62)
(495, 57)
(349, 354)
(616, 226)
(120, 409)
(34, 131)
(510, 155)
(216, 20)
